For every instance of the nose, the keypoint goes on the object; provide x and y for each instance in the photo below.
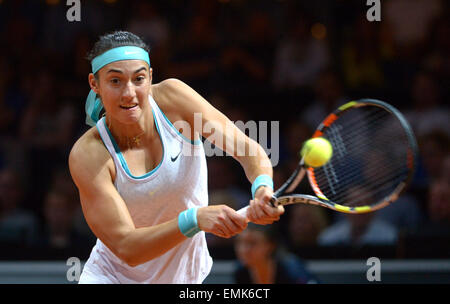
(129, 91)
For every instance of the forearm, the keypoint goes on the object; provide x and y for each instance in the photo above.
(144, 244)
(255, 163)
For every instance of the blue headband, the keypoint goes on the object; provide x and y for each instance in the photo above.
(93, 104)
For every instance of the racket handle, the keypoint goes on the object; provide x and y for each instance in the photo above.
(243, 211)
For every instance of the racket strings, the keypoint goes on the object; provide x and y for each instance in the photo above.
(376, 175)
(385, 185)
(369, 157)
(378, 169)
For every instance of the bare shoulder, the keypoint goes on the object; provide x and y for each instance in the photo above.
(174, 96)
(168, 93)
(88, 157)
(169, 86)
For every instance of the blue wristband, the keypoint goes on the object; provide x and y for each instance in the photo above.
(262, 180)
(187, 222)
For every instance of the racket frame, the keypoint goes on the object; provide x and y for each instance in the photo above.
(320, 199)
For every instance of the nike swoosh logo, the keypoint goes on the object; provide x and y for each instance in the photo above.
(175, 158)
(130, 53)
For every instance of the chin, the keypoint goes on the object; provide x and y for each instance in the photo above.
(131, 118)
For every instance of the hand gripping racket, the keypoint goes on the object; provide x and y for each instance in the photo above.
(374, 156)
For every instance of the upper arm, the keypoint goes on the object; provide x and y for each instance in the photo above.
(203, 118)
(104, 209)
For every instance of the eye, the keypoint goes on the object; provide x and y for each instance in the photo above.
(140, 78)
(114, 80)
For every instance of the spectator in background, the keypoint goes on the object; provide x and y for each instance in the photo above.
(299, 57)
(148, 23)
(439, 203)
(62, 181)
(306, 223)
(262, 261)
(46, 130)
(73, 84)
(294, 134)
(428, 112)
(59, 236)
(328, 97)
(195, 52)
(7, 115)
(434, 147)
(410, 21)
(437, 59)
(446, 170)
(363, 57)
(224, 180)
(356, 230)
(17, 225)
(14, 93)
(433, 234)
(404, 214)
(246, 62)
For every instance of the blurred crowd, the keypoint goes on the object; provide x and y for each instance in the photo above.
(286, 61)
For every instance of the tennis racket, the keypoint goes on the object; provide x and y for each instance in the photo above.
(374, 157)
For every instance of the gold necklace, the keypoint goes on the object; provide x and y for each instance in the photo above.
(137, 139)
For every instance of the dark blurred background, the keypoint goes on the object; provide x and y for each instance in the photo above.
(287, 61)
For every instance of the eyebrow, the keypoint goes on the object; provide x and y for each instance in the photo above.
(119, 71)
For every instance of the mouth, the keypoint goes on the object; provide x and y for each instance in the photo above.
(128, 107)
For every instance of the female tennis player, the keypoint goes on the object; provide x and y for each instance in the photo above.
(143, 182)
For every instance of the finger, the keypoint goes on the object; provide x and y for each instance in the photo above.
(253, 212)
(265, 222)
(266, 211)
(264, 195)
(230, 226)
(280, 209)
(250, 212)
(261, 209)
(274, 211)
(238, 220)
(219, 232)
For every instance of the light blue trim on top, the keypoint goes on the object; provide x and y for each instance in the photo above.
(123, 162)
(193, 142)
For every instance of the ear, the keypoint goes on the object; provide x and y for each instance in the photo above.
(93, 83)
(150, 74)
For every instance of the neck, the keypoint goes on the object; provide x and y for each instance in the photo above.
(132, 135)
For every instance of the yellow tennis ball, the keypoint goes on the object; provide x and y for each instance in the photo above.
(316, 151)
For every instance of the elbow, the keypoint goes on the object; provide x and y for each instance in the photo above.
(127, 256)
(125, 251)
(132, 263)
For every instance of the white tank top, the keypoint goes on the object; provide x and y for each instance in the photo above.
(179, 182)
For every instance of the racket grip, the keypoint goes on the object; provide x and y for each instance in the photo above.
(243, 211)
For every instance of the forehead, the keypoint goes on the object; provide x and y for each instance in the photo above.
(125, 66)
